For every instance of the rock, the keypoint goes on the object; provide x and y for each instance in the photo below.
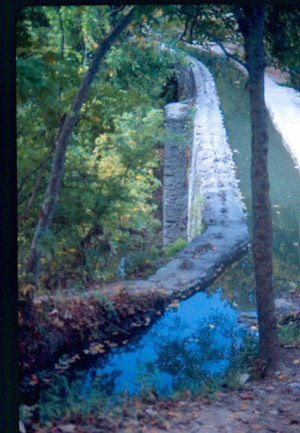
(185, 264)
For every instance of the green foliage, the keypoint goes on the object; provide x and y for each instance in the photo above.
(174, 247)
(65, 398)
(289, 333)
(113, 157)
(282, 39)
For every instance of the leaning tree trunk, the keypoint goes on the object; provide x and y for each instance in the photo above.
(251, 21)
(51, 195)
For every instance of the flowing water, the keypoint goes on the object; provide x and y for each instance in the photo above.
(197, 340)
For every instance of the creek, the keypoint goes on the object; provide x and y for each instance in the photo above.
(194, 342)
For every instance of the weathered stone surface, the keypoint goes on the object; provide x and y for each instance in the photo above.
(186, 83)
(175, 189)
(213, 178)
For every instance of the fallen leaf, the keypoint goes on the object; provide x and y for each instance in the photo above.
(98, 345)
(112, 345)
(34, 380)
(174, 305)
(58, 323)
(296, 361)
(67, 428)
(74, 358)
(211, 326)
(243, 378)
(244, 407)
(282, 376)
(147, 321)
(53, 312)
(96, 348)
(27, 289)
(246, 396)
(173, 414)
(67, 315)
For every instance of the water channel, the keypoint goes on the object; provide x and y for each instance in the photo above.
(196, 342)
(237, 282)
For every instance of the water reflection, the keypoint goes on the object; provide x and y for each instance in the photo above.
(183, 348)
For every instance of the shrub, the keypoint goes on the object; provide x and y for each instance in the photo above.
(175, 247)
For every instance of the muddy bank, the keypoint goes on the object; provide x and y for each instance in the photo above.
(79, 326)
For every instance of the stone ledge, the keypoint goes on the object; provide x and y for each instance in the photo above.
(225, 238)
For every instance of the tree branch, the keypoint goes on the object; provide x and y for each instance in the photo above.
(51, 195)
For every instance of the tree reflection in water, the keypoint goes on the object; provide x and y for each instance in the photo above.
(195, 359)
(186, 348)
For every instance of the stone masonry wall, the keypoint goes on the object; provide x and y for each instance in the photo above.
(175, 183)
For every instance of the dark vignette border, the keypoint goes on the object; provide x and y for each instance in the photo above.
(8, 176)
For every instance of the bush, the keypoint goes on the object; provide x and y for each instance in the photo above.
(175, 247)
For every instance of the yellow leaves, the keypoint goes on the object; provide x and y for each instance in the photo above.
(174, 305)
(59, 323)
(158, 13)
(95, 119)
(27, 289)
(282, 376)
(74, 359)
(43, 260)
(244, 407)
(55, 319)
(254, 328)
(246, 396)
(113, 345)
(173, 414)
(95, 349)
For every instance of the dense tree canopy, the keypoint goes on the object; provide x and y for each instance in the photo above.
(113, 155)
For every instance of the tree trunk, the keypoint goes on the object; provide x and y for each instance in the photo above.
(51, 195)
(251, 22)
